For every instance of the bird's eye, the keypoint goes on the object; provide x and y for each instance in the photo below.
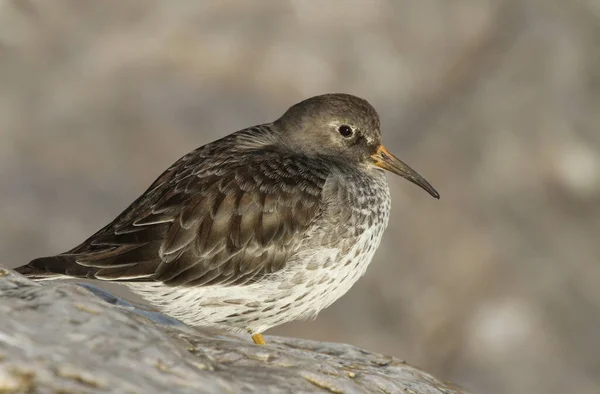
(345, 131)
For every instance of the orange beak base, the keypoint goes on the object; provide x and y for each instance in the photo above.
(384, 159)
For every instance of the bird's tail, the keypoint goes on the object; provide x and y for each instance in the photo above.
(34, 273)
(50, 268)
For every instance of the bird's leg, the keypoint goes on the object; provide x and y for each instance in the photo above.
(258, 339)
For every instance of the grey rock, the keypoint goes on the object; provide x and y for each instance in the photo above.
(60, 337)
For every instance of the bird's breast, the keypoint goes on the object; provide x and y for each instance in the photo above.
(345, 243)
(356, 203)
(326, 274)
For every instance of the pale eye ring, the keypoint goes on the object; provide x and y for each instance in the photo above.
(345, 131)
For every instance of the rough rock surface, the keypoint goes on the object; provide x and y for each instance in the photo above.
(59, 337)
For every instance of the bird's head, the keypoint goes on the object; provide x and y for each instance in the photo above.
(345, 127)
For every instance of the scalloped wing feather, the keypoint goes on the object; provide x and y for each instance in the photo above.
(217, 216)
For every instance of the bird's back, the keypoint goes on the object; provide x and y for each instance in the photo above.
(228, 212)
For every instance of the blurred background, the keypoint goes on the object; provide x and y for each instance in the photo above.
(496, 102)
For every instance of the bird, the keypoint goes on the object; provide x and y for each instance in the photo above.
(267, 225)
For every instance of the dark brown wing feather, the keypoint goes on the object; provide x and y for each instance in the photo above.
(227, 213)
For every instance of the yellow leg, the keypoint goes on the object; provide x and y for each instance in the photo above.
(258, 339)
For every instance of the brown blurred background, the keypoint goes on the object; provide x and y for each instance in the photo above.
(497, 102)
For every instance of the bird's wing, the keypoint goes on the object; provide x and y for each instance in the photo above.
(210, 219)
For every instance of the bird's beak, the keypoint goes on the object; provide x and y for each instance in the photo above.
(384, 159)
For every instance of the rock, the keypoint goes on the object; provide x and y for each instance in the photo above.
(60, 337)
